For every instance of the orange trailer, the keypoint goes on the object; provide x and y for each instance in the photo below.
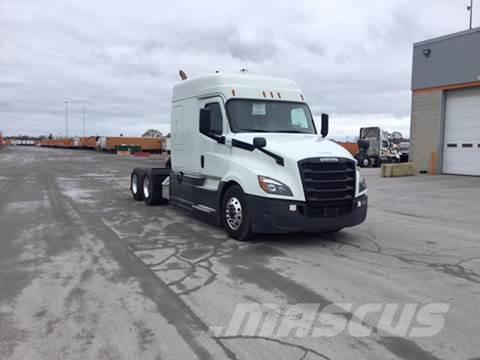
(350, 146)
(88, 142)
(146, 144)
(68, 143)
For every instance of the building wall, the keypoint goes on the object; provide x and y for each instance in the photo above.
(426, 132)
(453, 62)
(453, 59)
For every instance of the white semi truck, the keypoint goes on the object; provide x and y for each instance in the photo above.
(246, 155)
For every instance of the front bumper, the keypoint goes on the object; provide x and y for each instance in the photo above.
(280, 216)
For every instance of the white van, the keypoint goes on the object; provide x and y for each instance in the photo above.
(246, 154)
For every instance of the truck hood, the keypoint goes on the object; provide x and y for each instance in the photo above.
(297, 146)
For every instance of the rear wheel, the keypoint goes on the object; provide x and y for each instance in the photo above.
(152, 188)
(136, 184)
(235, 215)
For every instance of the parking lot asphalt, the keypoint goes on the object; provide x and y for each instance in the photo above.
(88, 273)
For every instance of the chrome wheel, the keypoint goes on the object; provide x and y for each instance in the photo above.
(146, 187)
(233, 213)
(135, 183)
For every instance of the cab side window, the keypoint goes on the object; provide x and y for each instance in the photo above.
(217, 120)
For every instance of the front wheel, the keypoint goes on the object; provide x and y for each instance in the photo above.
(365, 162)
(235, 215)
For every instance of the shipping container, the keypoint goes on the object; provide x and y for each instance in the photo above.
(88, 142)
(111, 144)
(68, 143)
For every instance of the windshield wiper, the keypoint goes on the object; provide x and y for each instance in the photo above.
(292, 131)
(254, 130)
(275, 131)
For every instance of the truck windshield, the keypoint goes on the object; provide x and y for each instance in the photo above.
(269, 116)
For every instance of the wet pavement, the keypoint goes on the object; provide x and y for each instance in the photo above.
(88, 273)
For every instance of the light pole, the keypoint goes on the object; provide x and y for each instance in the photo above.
(83, 121)
(66, 118)
(470, 8)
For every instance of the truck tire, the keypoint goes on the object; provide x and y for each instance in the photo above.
(364, 162)
(152, 188)
(235, 216)
(136, 184)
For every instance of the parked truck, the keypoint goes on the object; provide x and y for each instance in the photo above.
(378, 147)
(246, 154)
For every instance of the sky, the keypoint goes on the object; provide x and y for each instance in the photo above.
(118, 59)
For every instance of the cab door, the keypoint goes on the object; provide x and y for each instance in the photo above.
(213, 156)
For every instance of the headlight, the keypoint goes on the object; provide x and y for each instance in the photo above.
(273, 186)
(362, 184)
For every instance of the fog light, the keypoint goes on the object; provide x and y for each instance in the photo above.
(359, 203)
(293, 208)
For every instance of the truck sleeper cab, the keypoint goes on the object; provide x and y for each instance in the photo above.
(245, 154)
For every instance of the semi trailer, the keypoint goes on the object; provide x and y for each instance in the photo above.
(111, 143)
(246, 154)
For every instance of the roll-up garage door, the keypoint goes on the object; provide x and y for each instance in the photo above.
(461, 153)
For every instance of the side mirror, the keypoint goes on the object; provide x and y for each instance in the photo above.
(363, 144)
(259, 142)
(205, 121)
(324, 129)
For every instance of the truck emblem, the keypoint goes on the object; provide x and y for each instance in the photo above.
(328, 159)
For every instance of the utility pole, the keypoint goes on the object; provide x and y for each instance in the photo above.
(83, 121)
(470, 8)
(66, 118)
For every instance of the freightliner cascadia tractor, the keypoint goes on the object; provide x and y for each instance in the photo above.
(246, 155)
